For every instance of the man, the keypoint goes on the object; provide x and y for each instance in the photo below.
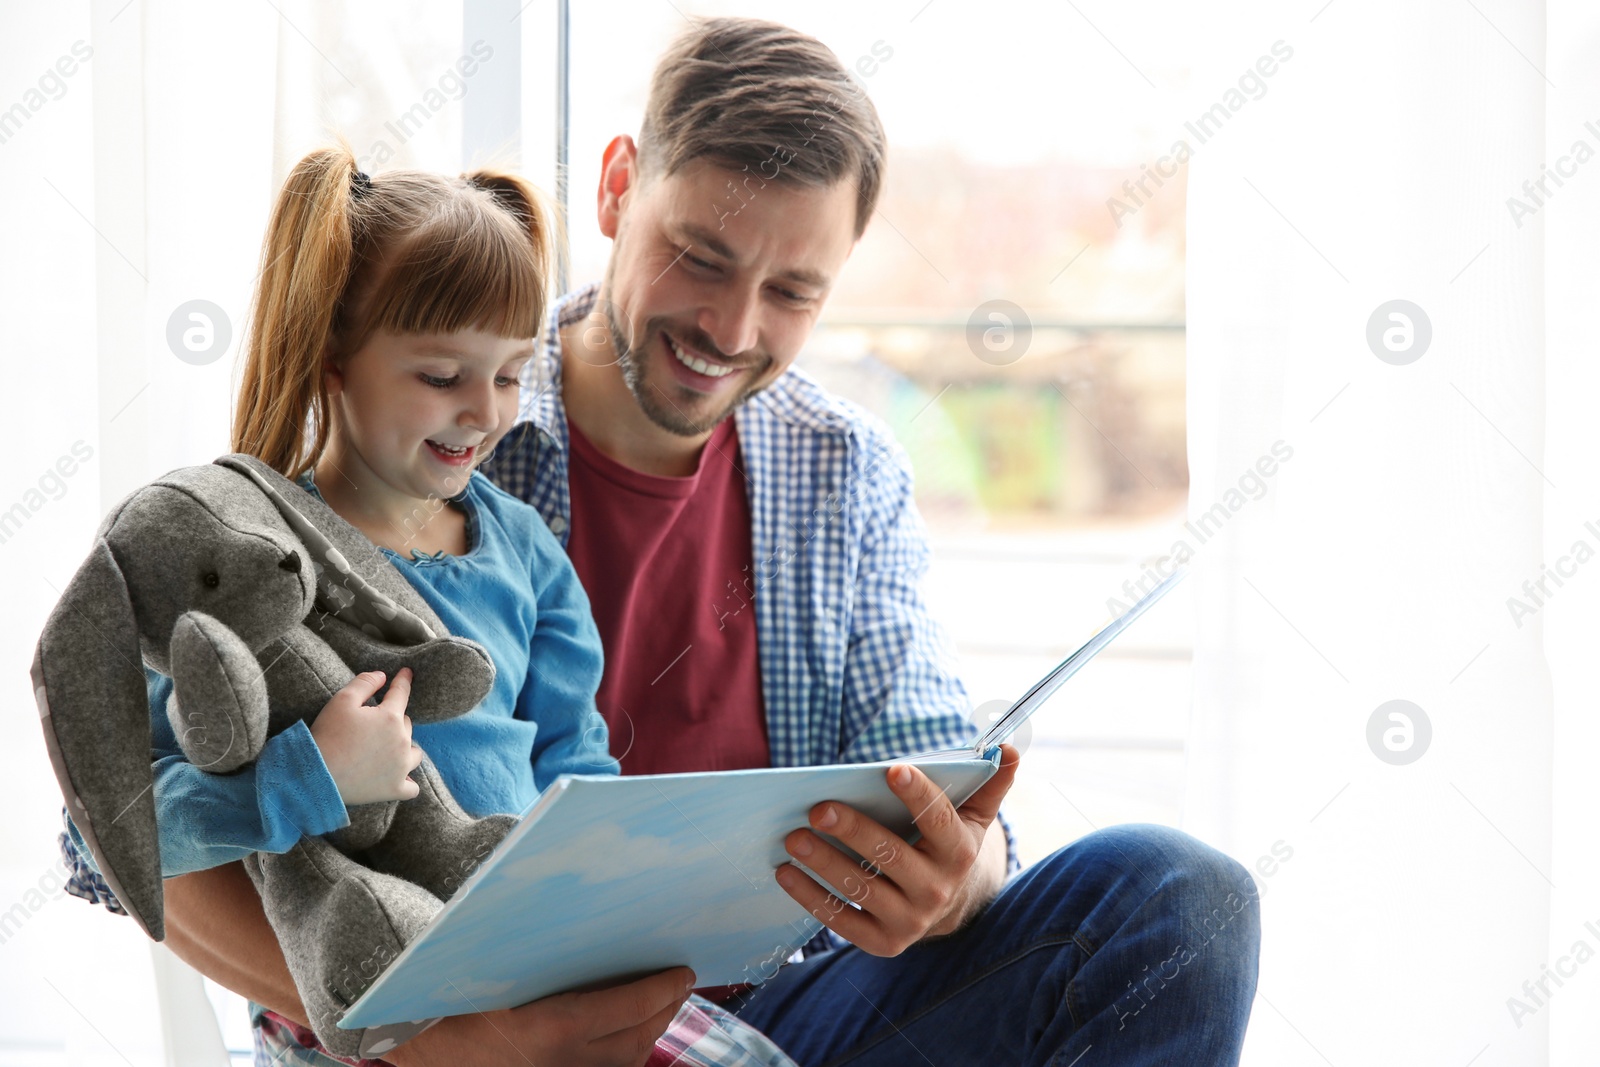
(711, 495)
(752, 553)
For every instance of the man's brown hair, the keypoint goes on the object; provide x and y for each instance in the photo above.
(766, 100)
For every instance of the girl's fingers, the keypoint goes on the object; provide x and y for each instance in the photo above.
(399, 691)
(361, 688)
(408, 786)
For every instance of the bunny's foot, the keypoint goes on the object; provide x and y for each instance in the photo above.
(340, 925)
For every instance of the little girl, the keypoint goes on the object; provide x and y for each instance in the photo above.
(392, 321)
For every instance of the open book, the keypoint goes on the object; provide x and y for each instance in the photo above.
(608, 878)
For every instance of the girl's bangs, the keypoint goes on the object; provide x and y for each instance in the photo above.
(467, 271)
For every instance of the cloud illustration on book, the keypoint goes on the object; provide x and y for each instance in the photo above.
(735, 919)
(470, 991)
(609, 854)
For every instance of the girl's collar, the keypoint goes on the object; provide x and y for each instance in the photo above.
(308, 482)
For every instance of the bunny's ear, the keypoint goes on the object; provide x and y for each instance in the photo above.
(88, 679)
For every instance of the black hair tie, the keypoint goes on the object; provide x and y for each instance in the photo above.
(360, 184)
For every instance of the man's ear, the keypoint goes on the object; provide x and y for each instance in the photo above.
(618, 171)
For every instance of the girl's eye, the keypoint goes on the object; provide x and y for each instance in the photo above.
(444, 383)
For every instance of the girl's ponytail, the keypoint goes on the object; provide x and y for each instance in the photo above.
(532, 208)
(306, 263)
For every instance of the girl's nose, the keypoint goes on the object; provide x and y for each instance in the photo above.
(481, 413)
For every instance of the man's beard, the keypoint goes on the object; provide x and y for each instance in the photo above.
(657, 405)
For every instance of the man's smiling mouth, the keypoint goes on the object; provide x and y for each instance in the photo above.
(695, 363)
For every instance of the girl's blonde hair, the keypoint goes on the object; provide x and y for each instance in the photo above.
(406, 251)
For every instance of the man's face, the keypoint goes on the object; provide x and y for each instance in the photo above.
(706, 306)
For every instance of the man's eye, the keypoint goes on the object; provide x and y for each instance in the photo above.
(698, 262)
(437, 383)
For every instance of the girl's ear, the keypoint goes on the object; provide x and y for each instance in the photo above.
(332, 374)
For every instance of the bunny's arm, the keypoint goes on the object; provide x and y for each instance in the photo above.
(564, 663)
(205, 820)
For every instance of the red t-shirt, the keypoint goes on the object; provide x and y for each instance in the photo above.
(667, 564)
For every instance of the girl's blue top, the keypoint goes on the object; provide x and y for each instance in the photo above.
(516, 594)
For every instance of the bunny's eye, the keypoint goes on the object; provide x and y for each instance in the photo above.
(211, 579)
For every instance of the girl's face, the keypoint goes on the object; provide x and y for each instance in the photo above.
(420, 411)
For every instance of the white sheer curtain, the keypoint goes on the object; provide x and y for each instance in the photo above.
(1420, 892)
(128, 194)
(137, 170)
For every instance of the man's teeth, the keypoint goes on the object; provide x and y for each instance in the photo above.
(696, 364)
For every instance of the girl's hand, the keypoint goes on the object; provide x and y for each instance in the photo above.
(368, 750)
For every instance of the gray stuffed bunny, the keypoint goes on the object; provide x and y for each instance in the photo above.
(260, 603)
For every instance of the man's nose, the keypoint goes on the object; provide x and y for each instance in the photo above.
(733, 322)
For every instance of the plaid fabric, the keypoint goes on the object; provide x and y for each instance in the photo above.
(701, 1035)
(83, 880)
(282, 1042)
(704, 1035)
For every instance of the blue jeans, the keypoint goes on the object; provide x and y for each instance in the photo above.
(1138, 942)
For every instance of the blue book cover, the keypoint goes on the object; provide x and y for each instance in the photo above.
(609, 878)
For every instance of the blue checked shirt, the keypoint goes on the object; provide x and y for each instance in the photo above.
(853, 666)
